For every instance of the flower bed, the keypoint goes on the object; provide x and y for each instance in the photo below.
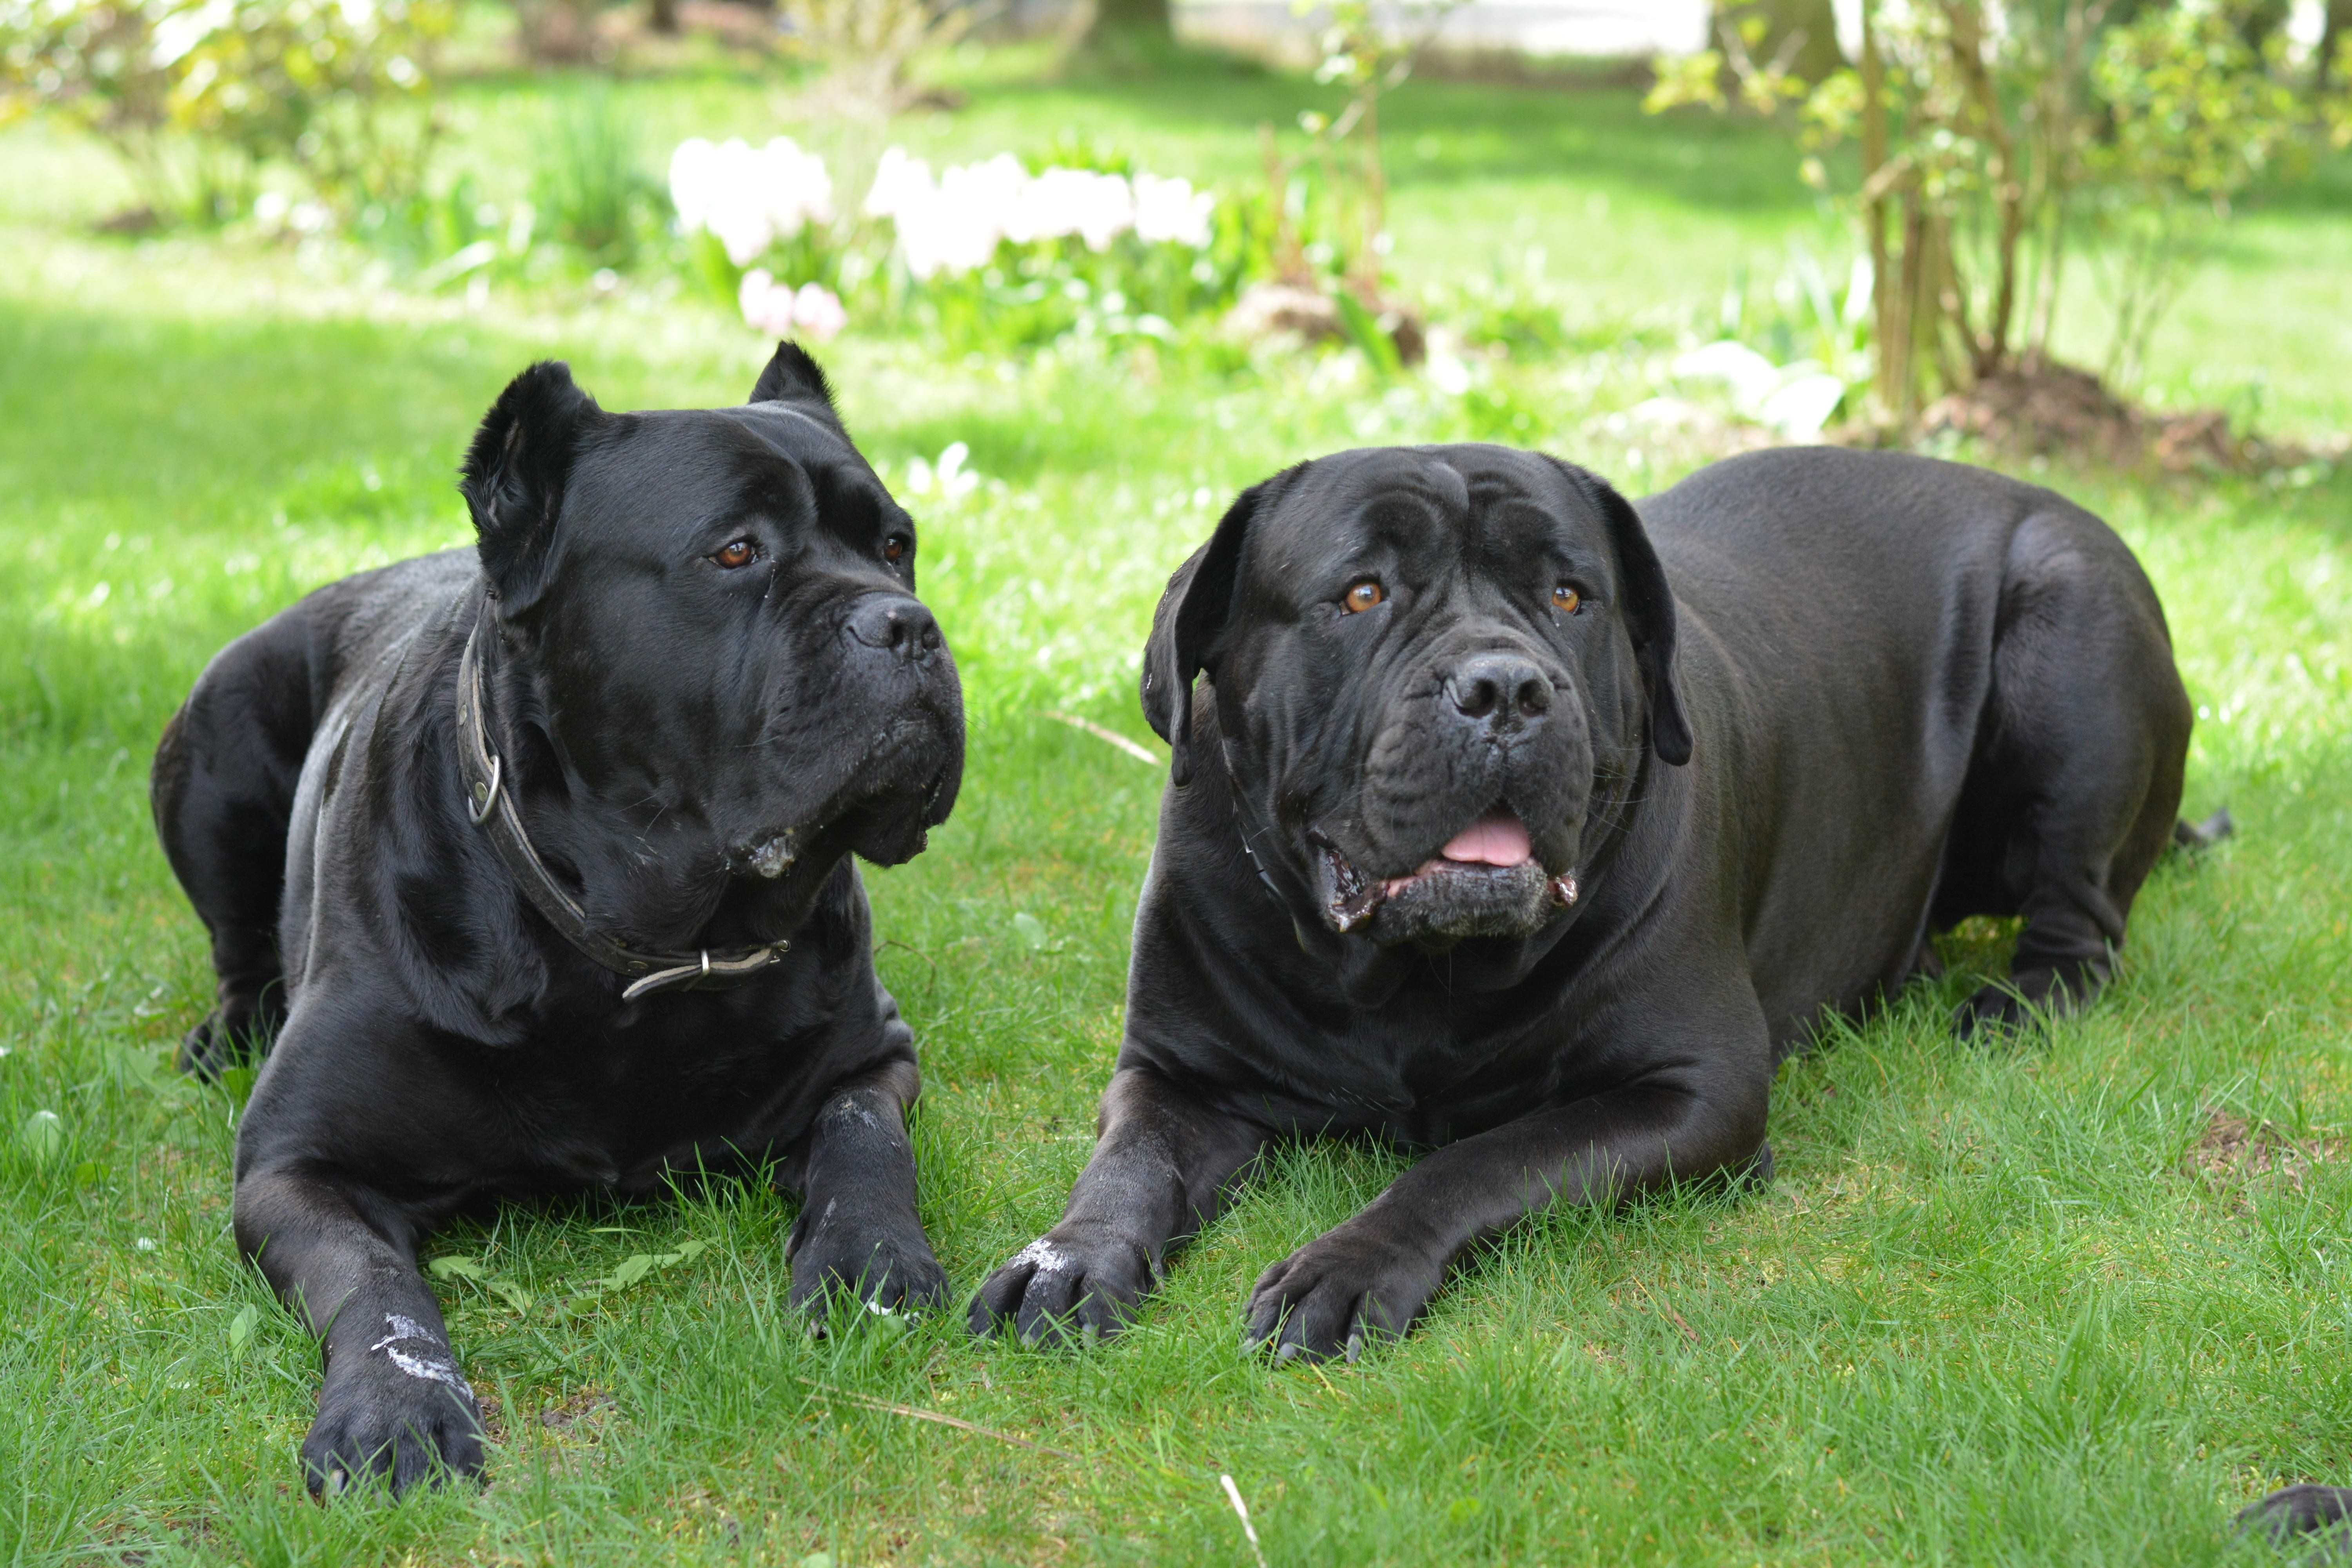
(993, 253)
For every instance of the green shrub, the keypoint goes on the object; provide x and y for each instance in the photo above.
(591, 188)
(197, 94)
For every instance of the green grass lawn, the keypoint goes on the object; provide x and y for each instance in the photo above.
(1999, 1306)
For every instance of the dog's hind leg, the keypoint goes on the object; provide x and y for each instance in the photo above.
(2075, 785)
(223, 792)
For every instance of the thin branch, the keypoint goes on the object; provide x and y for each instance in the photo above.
(1241, 1510)
(1108, 737)
(915, 1413)
(1689, 1332)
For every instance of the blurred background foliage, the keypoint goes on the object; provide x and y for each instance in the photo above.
(1993, 164)
(1996, 145)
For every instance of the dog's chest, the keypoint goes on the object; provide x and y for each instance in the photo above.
(626, 1108)
(1427, 1070)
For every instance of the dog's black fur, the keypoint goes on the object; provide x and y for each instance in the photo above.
(2323, 1515)
(1813, 707)
(665, 718)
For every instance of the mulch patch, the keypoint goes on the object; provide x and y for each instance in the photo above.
(2233, 1153)
(2058, 410)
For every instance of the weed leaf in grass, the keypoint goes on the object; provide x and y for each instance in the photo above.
(240, 1329)
(1364, 330)
(637, 1264)
(43, 1135)
(1031, 930)
(458, 1267)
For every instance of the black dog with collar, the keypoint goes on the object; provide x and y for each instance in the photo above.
(1519, 823)
(535, 859)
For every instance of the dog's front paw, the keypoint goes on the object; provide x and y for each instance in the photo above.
(401, 1410)
(887, 1267)
(1347, 1286)
(1066, 1284)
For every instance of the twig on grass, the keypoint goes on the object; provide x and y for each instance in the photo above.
(1108, 737)
(1689, 1332)
(915, 1413)
(1240, 1511)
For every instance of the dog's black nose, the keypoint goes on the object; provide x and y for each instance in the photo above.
(1498, 688)
(895, 622)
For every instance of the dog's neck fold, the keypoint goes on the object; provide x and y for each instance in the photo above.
(493, 793)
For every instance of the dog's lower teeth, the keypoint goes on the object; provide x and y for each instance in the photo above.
(1350, 909)
(1352, 902)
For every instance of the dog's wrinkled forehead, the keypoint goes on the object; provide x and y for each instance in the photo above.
(683, 467)
(1434, 506)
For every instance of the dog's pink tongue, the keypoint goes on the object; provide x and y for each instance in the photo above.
(1498, 838)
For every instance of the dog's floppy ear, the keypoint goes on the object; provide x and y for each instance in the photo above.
(1649, 613)
(791, 376)
(1191, 614)
(515, 474)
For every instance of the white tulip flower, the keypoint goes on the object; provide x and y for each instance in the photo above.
(1171, 210)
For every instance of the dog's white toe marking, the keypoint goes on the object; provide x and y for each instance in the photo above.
(1044, 1258)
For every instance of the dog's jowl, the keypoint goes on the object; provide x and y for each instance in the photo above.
(1531, 826)
(534, 860)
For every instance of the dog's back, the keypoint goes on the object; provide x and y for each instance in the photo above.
(1975, 668)
(230, 761)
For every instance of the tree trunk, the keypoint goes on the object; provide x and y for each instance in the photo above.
(1146, 20)
(1889, 299)
(2331, 38)
(2262, 19)
(662, 15)
(553, 31)
(1806, 29)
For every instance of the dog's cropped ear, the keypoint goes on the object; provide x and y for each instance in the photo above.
(1191, 614)
(516, 471)
(791, 376)
(1649, 613)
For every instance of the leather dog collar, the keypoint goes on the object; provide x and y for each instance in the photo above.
(491, 806)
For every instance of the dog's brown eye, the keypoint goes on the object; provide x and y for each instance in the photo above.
(1566, 599)
(742, 553)
(1362, 596)
(893, 549)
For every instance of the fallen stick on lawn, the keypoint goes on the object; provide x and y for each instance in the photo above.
(1109, 737)
(1689, 1332)
(915, 1413)
(1234, 1495)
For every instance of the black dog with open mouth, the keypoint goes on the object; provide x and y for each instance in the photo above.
(535, 859)
(1516, 823)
